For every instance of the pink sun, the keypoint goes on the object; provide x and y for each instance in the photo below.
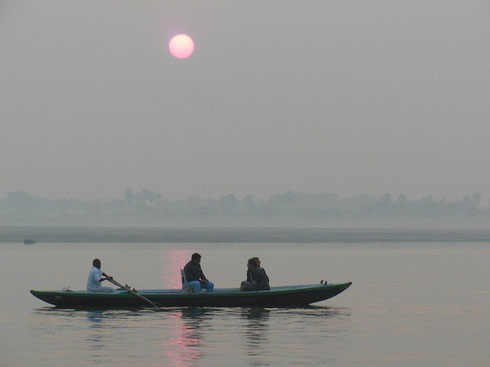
(181, 46)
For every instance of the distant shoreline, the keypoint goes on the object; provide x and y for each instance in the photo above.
(13, 234)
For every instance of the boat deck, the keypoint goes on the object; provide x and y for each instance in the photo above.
(179, 291)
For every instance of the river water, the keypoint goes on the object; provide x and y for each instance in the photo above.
(411, 304)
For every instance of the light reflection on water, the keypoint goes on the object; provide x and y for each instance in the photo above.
(175, 261)
(184, 344)
(185, 336)
(409, 305)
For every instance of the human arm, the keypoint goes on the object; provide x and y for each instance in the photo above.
(249, 275)
(258, 276)
(202, 276)
(105, 277)
(266, 276)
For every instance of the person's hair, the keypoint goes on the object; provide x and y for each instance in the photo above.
(195, 256)
(251, 262)
(95, 262)
(256, 261)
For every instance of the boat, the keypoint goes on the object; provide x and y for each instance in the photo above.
(29, 241)
(286, 296)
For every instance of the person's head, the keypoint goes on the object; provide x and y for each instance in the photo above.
(196, 258)
(97, 263)
(251, 263)
(256, 260)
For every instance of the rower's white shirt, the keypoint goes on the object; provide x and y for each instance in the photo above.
(94, 277)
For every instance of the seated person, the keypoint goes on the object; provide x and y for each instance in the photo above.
(257, 279)
(95, 277)
(195, 277)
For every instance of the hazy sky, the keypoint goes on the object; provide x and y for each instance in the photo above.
(314, 96)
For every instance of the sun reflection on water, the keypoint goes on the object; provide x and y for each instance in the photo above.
(174, 261)
(185, 344)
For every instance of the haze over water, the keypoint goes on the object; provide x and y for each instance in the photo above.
(325, 96)
(411, 304)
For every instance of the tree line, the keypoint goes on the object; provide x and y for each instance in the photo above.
(19, 208)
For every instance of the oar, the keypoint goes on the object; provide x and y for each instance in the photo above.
(110, 279)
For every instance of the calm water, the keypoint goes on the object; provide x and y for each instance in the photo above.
(423, 304)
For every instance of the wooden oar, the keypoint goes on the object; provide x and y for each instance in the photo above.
(110, 279)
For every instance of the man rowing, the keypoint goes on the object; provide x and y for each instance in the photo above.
(96, 277)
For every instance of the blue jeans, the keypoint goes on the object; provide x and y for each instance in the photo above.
(196, 286)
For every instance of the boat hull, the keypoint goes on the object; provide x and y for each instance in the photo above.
(292, 296)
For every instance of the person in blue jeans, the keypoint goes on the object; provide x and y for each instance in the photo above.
(195, 277)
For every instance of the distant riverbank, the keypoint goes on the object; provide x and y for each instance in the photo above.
(235, 235)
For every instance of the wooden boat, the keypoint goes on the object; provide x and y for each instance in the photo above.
(288, 296)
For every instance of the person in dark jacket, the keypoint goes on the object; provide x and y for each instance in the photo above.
(247, 285)
(257, 279)
(195, 277)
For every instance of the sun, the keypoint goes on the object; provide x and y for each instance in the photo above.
(181, 46)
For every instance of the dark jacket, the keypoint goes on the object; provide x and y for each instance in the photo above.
(193, 272)
(259, 278)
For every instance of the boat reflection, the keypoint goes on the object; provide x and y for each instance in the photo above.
(256, 333)
(185, 337)
(95, 338)
(95, 317)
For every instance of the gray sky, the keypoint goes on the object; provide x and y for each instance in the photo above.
(332, 96)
